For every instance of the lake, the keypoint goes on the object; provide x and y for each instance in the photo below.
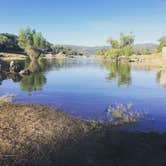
(85, 87)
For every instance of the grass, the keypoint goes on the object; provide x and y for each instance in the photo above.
(120, 114)
(42, 136)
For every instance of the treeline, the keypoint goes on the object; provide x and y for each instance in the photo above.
(31, 42)
(55, 49)
(125, 47)
(9, 43)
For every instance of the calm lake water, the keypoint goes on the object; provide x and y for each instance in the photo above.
(86, 87)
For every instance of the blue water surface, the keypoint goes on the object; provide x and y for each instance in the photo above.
(85, 87)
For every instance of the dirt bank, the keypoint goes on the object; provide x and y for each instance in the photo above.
(12, 56)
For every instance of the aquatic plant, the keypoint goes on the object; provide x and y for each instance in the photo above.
(123, 114)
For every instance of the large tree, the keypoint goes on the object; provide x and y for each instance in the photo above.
(32, 42)
(123, 47)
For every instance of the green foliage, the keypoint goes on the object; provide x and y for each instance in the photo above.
(56, 49)
(123, 47)
(162, 44)
(9, 42)
(126, 51)
(114, 43)
(112, 53)
(101, 51)
(143, 51)
(126, 40)
(32, 42)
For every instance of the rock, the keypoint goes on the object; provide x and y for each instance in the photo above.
(14, 67)
(133, 60)
(24, 72)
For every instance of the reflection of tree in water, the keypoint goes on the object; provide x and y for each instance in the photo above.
(161, 78)
(33, 82)
(2, 77)
(121, 72)
(36, 80)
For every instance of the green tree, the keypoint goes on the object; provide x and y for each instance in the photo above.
(123, 47)
(114, 43)
(9, 42)
(32, 42)
(101, 51)
(162, 43)
(126, 40)
(56, 49)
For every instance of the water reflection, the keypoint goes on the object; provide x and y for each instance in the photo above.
(161, 77)
(121, 72)
(33, 82)
(37, 79)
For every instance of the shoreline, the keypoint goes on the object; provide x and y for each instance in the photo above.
(32, 134)
(17, 57)
(150, 61)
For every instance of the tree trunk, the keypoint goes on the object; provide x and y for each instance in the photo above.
(34, 54)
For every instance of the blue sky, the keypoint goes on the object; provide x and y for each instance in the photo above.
(86, 22)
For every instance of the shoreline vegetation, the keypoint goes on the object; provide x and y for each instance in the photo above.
(40, 135)
(31, 45)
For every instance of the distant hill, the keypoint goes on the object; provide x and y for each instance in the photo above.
(150, 46)
(83, 49)
(93, 50)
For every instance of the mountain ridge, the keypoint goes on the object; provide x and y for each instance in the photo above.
(93, 49)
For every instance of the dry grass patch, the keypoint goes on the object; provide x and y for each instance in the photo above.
(26, 129)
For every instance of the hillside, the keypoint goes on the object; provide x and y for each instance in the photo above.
(93, 50)
(150, 46)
